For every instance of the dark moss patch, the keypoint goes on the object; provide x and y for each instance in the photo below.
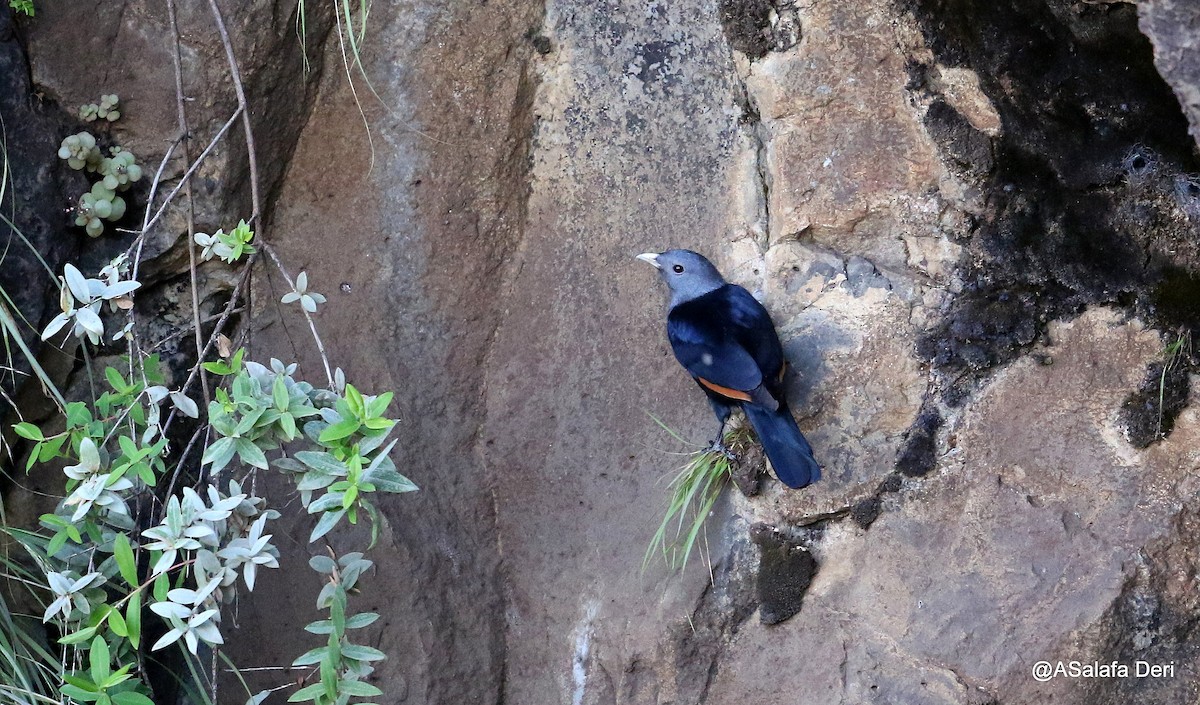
(865, 512)
(747, 26)
(919, 454)
(785, 570)
(758, 27)
(1149, 414)
(1156, 620)
(1086, 189)
(968, 148)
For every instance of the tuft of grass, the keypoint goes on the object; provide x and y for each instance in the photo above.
(1172, 354)
(694, 491)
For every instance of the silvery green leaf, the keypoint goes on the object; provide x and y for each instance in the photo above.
(185, 405)
(167, 639)
(89, 321)
(307, 302)
(170, 609)
(157, 393)
(89, 455)
(290, 297)
(323, 462)
(120, 289)
(326, 502)
(60, 583)
(251, 454)
(56, 324)
(77, 283)
(326, 523)
(208, 631)
(219, 453)
(164, 562)
(322, 564)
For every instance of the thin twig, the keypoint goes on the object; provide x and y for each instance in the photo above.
(202, 430)
(184, 331)
(195, 165)
(141, 238)
(236, 76)
(312, 326)
(191, 206)
(239, 89)
(212, 338)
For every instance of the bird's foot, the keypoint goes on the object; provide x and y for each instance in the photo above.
(718, 446)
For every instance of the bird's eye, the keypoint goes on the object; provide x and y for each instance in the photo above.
(678, 269)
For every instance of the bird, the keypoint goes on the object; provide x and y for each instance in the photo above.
(726, 341)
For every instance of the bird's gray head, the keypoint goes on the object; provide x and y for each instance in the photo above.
(687, 273)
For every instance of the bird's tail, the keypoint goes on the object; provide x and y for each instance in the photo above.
(788, 450)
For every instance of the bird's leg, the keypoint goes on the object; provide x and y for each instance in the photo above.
(718, 443)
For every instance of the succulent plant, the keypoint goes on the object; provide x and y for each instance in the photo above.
(80, 151)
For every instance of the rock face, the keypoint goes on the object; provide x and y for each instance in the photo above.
(975, 225)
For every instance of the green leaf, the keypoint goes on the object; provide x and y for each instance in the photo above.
(80, 636)
(129, 448)
(29, 431)
(362, 653)
(56, 542)
(52, 448)
(98, 658)
(146, 474)
(358, 689)
(388, 480)
(355, 399)
(115, 380)
(217, 368)
(311, 656)
(78, 415)
(219, 453)
(379, 405)
(378, 424)
(130, 697)
(251, 454)
(339, 430)
(117, 624)
(279, 394)
(125, 560)
(77, 693)
(162, 585)
(325, 524)
(80, 682)
(116, 678)
(321, 626)
(311, 692)
(133, 618)
(361, 620)
(287, 424)
(323, 462)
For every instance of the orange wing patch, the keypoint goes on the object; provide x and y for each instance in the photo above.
(724, 391)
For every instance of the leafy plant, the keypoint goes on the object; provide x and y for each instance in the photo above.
(24, 7)
(695, 489)
(341, 665)
(231, 246)
(117, 172)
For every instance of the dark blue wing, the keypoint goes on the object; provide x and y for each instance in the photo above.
(751, 327)
(706, 336)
